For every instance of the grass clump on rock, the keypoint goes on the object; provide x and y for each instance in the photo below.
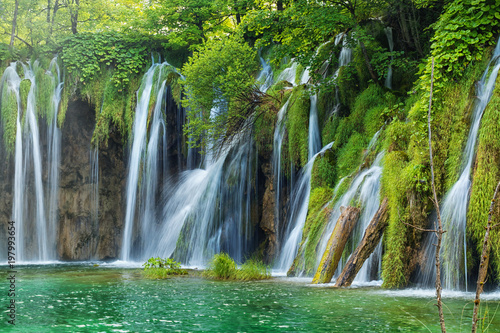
(158, 268)
(223, 267)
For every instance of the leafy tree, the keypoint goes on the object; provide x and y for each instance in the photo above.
(215, 76)
(188, 22)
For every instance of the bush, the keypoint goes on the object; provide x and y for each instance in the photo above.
(158, 268)
(223, 267)
(253, 270)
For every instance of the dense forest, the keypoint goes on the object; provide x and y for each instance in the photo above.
(216, 50)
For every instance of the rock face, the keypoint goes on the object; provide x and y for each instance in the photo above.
(268, 208)
(80, 236)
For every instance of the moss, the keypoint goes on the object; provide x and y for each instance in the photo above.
(348, 85)
(349, 156)
(326, 104)
(317, 218)
(24, 90)
(44, 92)
(394, 264)
(323, 172)
(297, 126)
(486, 177)
(9, 117)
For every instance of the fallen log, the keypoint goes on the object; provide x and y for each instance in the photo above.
(365, 248)
(336, 243)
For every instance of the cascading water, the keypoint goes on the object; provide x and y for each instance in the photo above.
(288, 74)
(388, 79)
(143, 173)
(204, 211)
(454, 207)
(314, 132)
(365, 192)
(265, 77)
(297, 216)
(54, 155)
(35, 206)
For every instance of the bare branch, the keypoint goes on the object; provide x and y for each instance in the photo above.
(440, 231)
(421, 229)
(483, 265)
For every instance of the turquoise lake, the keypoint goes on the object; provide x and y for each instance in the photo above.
(84, 298)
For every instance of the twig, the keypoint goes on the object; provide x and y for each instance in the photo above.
(483, 266)
(421, 229)
(439, 232)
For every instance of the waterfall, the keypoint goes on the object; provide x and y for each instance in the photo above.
(298, 215)
(454, 206)
(288, 74)
(314, 132)
(388, 79)
(54, 156)
(208, 210)
(365, 192)
(265, 78)
(35, 202)
(142, 180)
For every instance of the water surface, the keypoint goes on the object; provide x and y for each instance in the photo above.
(83, 298)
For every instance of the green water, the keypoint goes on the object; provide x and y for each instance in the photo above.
(82, 298)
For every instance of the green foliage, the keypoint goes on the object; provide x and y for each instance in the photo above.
(215, 76)
(253, 270)
(158, 268)
(461, 33)
(188, 22)
(223, 267)
(85, 55)
(297, 126)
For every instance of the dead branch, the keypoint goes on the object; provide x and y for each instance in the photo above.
(483, 265)
(440, 231)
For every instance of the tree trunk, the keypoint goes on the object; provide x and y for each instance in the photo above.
(14, 24)
(336, 243)
(365, 248)
(48, 11)
(367, 62)
(74, 17)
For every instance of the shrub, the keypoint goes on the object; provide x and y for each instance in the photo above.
(223, 267)
(158, 268)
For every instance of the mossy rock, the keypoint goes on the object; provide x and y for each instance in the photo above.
(348, 85)
(323, 172)
(298, 126)
(318, 215)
